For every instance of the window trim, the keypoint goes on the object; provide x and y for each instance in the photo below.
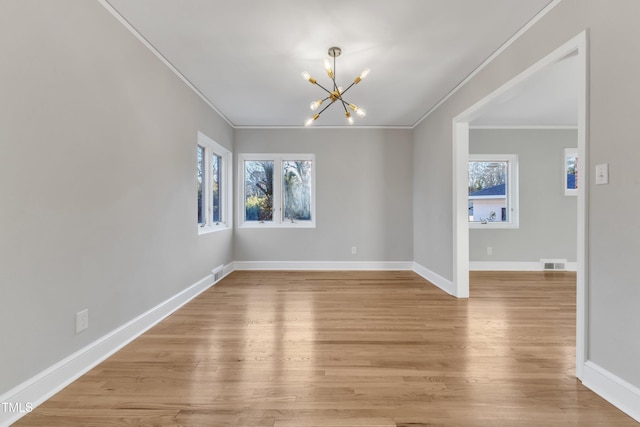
(212, 148)
(278, 199)
(513, 190)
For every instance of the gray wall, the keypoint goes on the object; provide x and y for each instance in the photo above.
(97, 184)
(363, 180)
(432, 195)
(547, 217)
(613, 236)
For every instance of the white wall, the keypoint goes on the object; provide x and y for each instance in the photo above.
(613, 240)
(547, 217)
(97, 184)
(363, 180)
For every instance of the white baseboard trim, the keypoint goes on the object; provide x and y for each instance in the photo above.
(228, 269)
(323, 265)
(513, 266)
(20, 400)
(439, 281)
(444, 284)
(615, 390)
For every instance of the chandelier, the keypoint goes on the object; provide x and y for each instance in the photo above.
(336, 93)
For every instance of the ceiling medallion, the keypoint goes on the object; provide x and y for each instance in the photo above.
(337, 93)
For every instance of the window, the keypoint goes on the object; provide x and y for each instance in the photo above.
(570, 171)
(216, 181)
(214, 185)
(277, 190)
(201, 205)
(493, 191)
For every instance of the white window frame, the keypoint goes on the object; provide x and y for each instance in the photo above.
(569, 152)
(512, 190)
(278, 159)
(212, 148)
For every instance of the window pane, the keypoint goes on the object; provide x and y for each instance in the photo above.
(258, 190)
(488, 200)
(572, 172)
(201, 206)
(216, 182)
(296, 189)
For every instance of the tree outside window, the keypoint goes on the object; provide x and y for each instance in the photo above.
(214, 185)
(200, 175)
(277, 190)
(258, 190)
(297, 190)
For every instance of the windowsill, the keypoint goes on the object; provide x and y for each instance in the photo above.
(493, 225)
(212, 228)
(302, 224)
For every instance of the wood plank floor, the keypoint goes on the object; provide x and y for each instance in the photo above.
(376, 349)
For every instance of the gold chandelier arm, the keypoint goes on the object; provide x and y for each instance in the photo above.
(344, 105)
(358, 79)
(327, 106)
(323, 88)
(348, 87)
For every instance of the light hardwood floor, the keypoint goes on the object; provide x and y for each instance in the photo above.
(376, 349)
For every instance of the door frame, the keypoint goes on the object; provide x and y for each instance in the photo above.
(579, 46)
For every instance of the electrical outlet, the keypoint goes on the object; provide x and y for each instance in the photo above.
(489, 250)
(82, 320)
(354, 250)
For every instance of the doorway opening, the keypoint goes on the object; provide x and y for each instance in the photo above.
(577, 47)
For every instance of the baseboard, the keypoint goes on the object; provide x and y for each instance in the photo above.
(23, 398)
(228, 269)
(615, 390)
(513, 266)
(444, 284)
(323, 265)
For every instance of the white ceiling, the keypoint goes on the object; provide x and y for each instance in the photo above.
(549, 98)
(246, 56)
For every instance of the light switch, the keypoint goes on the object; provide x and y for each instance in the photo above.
(602, 174)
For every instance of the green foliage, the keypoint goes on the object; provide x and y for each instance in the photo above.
(258, 208)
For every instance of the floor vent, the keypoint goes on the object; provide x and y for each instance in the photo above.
(554, 264)
(217, 273)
